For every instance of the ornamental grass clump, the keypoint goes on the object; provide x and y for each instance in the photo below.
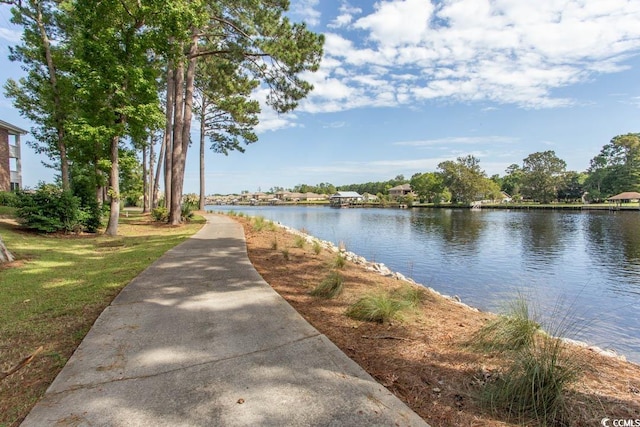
(509, 332)
(259, 223)
(535, 384)
(300, 242)
(410, 296)
(330, 287)
(339, 261)
(540, 367)
(375, 308)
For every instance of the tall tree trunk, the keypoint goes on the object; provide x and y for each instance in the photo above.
(167, 142)
(5, 255)
(152, 160)
(114, 183)
(180, 154)
(176, 151)
(53, 81)
(145, 181)
(156, 181)
(202, 148)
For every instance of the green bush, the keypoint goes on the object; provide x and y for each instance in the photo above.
(186, 212)
(330, 287)
(160, 214)
(317, 247)
(50, 209)
(9, 198)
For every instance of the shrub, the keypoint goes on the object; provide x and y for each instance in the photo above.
(375, 308)
(186, 212)
(285, 254)
(9, 198)
(160, 214)
(50, 209)
(317, 247)
(274, 244)
(330, 287)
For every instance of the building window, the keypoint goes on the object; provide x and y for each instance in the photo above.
(15, 186)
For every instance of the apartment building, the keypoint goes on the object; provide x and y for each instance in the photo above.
(10, 160)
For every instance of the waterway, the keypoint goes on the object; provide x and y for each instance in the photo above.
(580, 271)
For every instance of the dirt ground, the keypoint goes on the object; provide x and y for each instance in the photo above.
(422, 358)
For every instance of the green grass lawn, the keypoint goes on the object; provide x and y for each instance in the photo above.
(58, 285)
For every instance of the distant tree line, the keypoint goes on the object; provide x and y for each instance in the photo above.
(542, 177)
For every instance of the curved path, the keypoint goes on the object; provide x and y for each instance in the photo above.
(200, 339)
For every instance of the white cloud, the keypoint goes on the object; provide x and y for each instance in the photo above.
(306, 10)
(457, 140)
(346, 16)
(269, 119)
(12, 36)
(504, 51)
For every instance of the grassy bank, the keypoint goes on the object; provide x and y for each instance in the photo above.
(58, 285)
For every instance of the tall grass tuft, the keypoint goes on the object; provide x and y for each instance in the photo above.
(274, 243)
(375, 308)
(509, 332)
(300, 242)
(534, 386)
(317, 247)
(339, 261)
(285, 254)
(540, 370)
(259, 223)
(410, 296)
(330, 287)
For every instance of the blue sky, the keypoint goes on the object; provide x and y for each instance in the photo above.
(407, 84)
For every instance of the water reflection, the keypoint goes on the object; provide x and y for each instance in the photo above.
(588, 260)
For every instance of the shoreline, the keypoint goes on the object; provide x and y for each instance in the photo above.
(381, 269)
(424, 356)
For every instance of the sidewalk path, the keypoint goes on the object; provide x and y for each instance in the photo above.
(200, 339)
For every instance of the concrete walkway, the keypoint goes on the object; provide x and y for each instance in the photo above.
(200, 339)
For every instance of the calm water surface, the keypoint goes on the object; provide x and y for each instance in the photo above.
(584, 266)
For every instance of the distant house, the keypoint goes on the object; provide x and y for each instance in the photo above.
(10, 160)
(313, 197)
(400, 191)
(626, 197)
(506, 198)
(370, 197)
(345, 198)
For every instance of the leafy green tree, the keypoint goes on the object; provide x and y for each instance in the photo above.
(226, 112)
(118, 79)
(428, 186)
(616, 168)
(572, 186)
(512, 181)
(45, 94)
(255, 34)
(542, 174)
(464, 179)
